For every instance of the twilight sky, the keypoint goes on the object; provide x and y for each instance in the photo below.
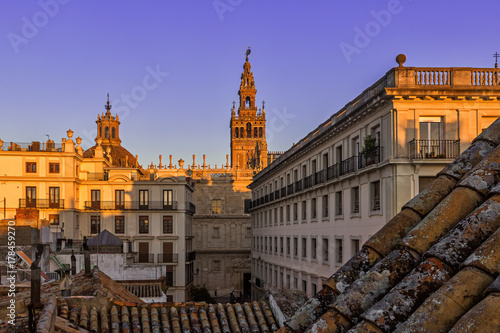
(172, 68)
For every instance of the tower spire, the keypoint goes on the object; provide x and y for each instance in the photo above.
(107, 106)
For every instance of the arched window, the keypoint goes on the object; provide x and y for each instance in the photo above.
(260, 132)
(255, 132)
(249, 130)
(106, 132)
(113, 130)
(100, 131)
(247, 102)
(236, 132)
(247, 83)
(241, 132)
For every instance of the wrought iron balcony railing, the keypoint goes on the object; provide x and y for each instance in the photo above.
(168, 258)
(131, 205)
(41, 203)
(430, 149)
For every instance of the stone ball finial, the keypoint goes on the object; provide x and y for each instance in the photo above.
(181, 163)
(69, 133)
(108, 150)
(400, 59)
(98, 141)
(78, 141)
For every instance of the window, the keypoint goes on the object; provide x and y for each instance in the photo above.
(288, 213)
(216, 232)
(31, 167)
(216, 206)
(313, 287)
(275, 245)
(255, 132)
(260, 132)
(304, 286)
(236, 132)
(326, 246)
(354, 246)
(355, 200)
(288, 246)
(248, 232)
(324, 205)
(54, 197)
(313, 248)
(313, 208)
(95, 197)
(95, 224)
(168, 202)
(295, 211)
(119, 199)
(275, 216)
(375, 196)
(53, 167)
(143, 199)
(216, 265)
(338, 203)
(295, 246)
(248, 205)
(106, 132)
(281, 246)
(168, 225)
(113, 132)
(143, 224)
(339, 250)
(249, 130)
(30, 197)
(119, 224)
(54, 219)
(304, 211)
(281, 215)
(304, 247)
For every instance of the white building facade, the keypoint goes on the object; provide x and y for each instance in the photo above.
(313, 207)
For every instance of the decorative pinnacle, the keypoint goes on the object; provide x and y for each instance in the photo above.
(107, 106)
(496, 55)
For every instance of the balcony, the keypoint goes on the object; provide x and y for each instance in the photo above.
(190, 207)
(131, 205)
(283, 192)
(298, 186)
(168, 258)
(289, 189)
(190, 256)
(144, 258)
(41, 203)
(434, 149)
(365, 160)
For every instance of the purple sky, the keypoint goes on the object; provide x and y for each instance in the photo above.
(61, 58)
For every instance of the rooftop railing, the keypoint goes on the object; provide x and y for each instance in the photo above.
(131, 205)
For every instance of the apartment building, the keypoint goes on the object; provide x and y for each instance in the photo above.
(79, 194)
(314, 207)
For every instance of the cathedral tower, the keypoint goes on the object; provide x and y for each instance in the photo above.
(248, 126)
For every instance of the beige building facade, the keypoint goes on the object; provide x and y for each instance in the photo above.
(314, 207)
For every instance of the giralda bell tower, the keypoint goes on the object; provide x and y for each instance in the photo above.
(248, 126)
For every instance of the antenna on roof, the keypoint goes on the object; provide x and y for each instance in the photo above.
(496, 55)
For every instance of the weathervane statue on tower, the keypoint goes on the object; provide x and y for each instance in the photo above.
(248, 53)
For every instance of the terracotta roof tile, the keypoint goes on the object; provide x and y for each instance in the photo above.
(427, 269)
(98, 314)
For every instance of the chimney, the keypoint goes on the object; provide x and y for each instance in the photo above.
(73, 263)
(65, 284)
(86, 256)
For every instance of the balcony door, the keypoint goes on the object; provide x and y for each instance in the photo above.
(143, 252)
(168, 251)
(431, 136)
(143, 199)
(167, 199)
(95, 197)
(30, 197)
(119, 199)
(54, 197)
